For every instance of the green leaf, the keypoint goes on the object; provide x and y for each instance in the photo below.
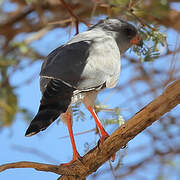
(153, 39)
(8, 106)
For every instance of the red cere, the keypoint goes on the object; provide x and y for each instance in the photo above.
(135, 40)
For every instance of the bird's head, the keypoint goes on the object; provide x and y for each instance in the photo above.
(123, 32)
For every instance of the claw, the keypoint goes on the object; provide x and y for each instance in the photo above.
(75, 158)
(101, 141)
(103, 137)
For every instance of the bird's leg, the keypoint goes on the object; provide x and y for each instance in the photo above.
(103, 133)
(88, 101)
(68, 117)
(69, 124)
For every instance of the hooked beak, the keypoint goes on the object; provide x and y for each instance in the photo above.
(137, 41)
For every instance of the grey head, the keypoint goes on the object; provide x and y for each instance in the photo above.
(122, 31)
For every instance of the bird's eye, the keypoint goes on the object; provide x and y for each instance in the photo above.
(129, 32)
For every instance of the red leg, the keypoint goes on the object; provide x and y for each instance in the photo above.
(103, 133)
(69, 125)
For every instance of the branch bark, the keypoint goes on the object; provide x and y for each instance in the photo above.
(98, 155)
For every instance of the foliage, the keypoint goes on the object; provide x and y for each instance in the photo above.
(153, 40)
(8, 106)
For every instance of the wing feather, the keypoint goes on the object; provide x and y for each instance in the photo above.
(84, 64)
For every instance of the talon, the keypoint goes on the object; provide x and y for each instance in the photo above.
(75, 158)
(123, 147)
(113, 157)
(101, 140)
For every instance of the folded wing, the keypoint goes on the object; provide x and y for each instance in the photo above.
(77, 66)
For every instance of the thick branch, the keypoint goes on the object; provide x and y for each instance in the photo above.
(25, 164)
(97, 156)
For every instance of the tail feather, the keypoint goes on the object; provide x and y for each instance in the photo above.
(55, 101)
(41, 121)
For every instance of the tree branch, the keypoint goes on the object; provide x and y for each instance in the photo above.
(97, 156)
(37, 166)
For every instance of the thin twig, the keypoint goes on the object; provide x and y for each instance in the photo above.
(77, 19)
(34, 152)
(140, 20)
(80, 133)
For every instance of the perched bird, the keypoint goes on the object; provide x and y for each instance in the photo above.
(78, 70)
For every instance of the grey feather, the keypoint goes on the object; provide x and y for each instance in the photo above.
(85, 64)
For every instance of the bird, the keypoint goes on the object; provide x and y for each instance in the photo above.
(78, 70)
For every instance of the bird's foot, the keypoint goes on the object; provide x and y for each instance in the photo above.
(104, 136)
(76, 157)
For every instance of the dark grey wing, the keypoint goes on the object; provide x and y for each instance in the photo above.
(67, 63)
(83, 65)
